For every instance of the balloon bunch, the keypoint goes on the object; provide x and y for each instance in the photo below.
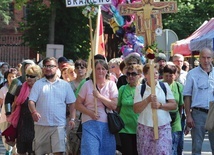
(124, 28)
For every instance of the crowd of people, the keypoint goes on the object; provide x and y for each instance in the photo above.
(45, 102)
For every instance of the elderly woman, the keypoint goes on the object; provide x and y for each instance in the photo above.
(96, 137)
(125, 107)
(21, 117)
(143, 104)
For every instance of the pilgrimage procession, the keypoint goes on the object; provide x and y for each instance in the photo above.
(106, 77)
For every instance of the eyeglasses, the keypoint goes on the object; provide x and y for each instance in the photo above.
(132, 63)
(49, 66)
(131, 74)
(79, 67)
(30, 76)
(112, 66)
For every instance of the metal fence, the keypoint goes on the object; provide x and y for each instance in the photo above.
(12, 50)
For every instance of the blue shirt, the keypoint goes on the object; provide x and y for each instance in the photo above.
(200, 86)
(51, 99)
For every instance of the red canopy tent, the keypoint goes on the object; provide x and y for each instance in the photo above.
(183, 46)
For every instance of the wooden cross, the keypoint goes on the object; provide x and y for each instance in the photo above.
(148, 19)
(148, 16)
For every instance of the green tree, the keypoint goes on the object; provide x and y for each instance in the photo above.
(68, 27)
(191, 14)
(4, 11)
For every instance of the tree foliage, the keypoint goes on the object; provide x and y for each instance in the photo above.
(4, 11)
(191, 14)
(71, 29)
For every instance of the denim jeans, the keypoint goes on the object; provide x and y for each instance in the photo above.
(181, 133)
(175, 141)
(198, 132)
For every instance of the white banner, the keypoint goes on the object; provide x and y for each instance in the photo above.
(75, 3)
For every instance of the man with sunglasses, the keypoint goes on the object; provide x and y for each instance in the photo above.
(47, 103)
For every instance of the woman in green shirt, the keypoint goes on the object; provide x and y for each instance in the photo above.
(125, 106)
(169, 76)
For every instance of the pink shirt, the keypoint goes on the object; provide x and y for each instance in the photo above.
(109, 91)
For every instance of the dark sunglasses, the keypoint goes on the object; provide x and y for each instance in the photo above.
(133, 63)
(79, 64)
(79, 67)
(131, 73)
(30, 76)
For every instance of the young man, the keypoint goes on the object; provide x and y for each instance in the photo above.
(47, 103)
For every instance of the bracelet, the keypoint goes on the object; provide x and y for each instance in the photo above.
(34, 112)
(72, 119)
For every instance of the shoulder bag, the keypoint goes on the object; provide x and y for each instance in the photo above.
(209, 125)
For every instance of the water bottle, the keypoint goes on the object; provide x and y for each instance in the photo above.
(8, 108)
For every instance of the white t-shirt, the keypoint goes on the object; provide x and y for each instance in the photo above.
(145, 117)
(3, 92)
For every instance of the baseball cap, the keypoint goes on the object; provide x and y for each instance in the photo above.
(62, 59)
(161, 56)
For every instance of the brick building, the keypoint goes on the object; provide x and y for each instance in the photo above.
(11, 48)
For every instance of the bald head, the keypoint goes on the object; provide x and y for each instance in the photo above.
(206, 50)
(205, 59)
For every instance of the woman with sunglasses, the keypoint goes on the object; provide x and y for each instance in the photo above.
(125, 109)
(21, 117)
(80, 70)
(162, 102)
(73, 141)
(9, 76)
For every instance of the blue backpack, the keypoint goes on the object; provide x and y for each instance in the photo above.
(172, 114)
(143, 88)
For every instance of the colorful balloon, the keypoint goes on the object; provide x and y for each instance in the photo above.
(118, 18)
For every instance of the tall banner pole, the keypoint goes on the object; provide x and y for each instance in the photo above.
(154, 111)
(95, 50)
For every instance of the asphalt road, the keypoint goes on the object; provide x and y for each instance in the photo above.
(206, 150)
(187, 146)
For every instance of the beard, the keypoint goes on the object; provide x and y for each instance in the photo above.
(50, 76)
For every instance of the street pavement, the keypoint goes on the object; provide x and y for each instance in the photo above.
(187, 146)
(206, 150)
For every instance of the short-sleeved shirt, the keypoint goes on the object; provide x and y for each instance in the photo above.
(51, 99)
(109, 90)
(3, 92)
(126, 102)
(200, 86)
(177, 90)
(145, 117)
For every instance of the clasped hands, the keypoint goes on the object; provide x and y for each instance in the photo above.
(154, 102)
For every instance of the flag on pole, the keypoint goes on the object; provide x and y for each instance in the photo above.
(101, 43)
(98, 44)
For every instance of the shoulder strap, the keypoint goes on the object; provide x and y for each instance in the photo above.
(143, 88)
(163, 87)
(178, 88)
(179, 91)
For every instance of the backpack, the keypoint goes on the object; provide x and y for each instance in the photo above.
(162, 85)
(143, 88)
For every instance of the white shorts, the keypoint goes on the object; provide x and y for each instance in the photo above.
(49, 139)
